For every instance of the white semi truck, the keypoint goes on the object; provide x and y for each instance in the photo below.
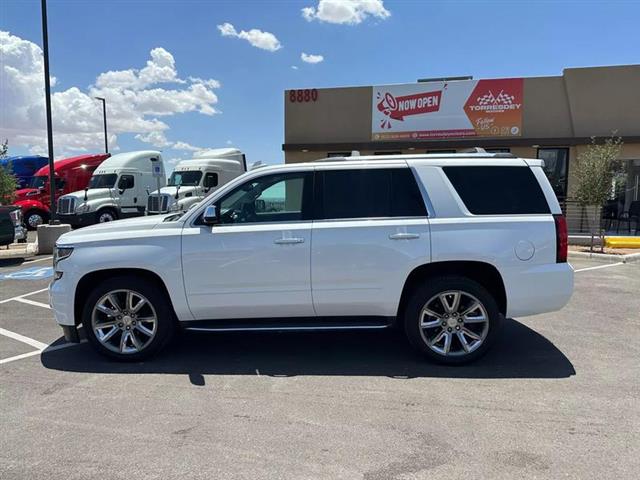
(118, 188)
(194, 179)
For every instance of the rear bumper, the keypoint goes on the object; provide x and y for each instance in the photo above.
(538, 289)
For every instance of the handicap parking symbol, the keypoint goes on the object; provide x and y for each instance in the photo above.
(33, 273)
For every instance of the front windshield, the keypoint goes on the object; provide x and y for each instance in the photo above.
(38, 182)
(188, 178)
(103, 181)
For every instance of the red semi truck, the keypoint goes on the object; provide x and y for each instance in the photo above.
(71, 174)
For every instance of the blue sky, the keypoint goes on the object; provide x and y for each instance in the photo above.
(418, 39)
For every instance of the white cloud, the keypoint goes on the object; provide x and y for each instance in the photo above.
(157, 139)
(160, 69)
(310, 58)
(135, 101)
(257, 38)
(211, 83)
(186, 146)
(294, 67)
(349, 12)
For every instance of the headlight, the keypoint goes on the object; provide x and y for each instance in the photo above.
(82, 208)
(175, 206)
(60, 253)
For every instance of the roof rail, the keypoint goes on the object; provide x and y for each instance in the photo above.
(473, 150)
(470, 152)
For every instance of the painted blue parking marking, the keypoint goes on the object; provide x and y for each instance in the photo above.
(33, 273)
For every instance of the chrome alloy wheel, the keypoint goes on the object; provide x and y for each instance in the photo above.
(454, 323)
(124, 321)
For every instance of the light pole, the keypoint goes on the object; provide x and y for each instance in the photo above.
(104, 119)
(47, 102)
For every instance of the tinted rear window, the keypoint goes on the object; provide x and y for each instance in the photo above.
(498, 190)
(369, 193)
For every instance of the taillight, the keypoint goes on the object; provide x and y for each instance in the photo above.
(562, 238)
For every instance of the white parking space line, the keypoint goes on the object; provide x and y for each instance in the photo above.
(599, 266)
(24, 295)
(37, 260)
(38, 352)
(23, 339)
(32, 302)
(20, 357)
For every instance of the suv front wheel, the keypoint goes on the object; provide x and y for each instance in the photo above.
(452, 320)
(128, 318)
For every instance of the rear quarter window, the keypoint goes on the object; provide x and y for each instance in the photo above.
(498, 190)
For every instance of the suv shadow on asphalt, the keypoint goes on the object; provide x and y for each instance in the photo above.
(519, 352)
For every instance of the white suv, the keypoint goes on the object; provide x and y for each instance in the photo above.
(443, 246)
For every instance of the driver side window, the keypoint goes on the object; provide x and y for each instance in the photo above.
(271, 198)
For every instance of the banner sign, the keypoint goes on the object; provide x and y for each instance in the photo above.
(456, 109)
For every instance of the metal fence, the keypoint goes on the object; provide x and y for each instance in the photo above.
(587, 220)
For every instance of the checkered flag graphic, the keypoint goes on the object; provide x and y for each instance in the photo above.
(486, 99)
(505, 98)
(490, 99)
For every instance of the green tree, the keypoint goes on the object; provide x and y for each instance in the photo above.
(8, 183)
(597, 167)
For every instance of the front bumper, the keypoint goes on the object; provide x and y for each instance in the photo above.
(62, 296)
(77, 219)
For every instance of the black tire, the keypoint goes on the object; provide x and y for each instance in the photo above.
(419, 337)
(106, 212)
(154, 294)
(31, 215)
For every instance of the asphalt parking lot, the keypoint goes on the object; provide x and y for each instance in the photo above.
(556, 398)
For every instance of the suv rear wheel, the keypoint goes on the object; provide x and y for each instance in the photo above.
(128, 318)
(452, 320)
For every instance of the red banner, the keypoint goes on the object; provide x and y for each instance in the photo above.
(399, 107)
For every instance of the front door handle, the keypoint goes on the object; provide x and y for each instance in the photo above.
(288, 241)
(404, 236)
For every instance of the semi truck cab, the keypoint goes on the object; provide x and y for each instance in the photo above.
(71, 174)
(24, 167)
(117, 189)
(194, 179)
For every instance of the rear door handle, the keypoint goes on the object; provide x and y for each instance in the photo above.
(288, 241)
(404, 236)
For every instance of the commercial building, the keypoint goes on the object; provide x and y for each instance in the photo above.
(552, 118)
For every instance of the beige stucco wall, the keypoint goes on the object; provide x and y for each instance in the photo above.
(603, 99)
(338, 115)
(582, 102)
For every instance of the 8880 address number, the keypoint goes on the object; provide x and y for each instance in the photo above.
(301, 96)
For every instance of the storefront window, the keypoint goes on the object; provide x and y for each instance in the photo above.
(555, 166)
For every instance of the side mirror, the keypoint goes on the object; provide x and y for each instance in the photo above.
(210, 216)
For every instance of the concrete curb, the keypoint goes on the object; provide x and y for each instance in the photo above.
(25, 250)
(607, 257)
